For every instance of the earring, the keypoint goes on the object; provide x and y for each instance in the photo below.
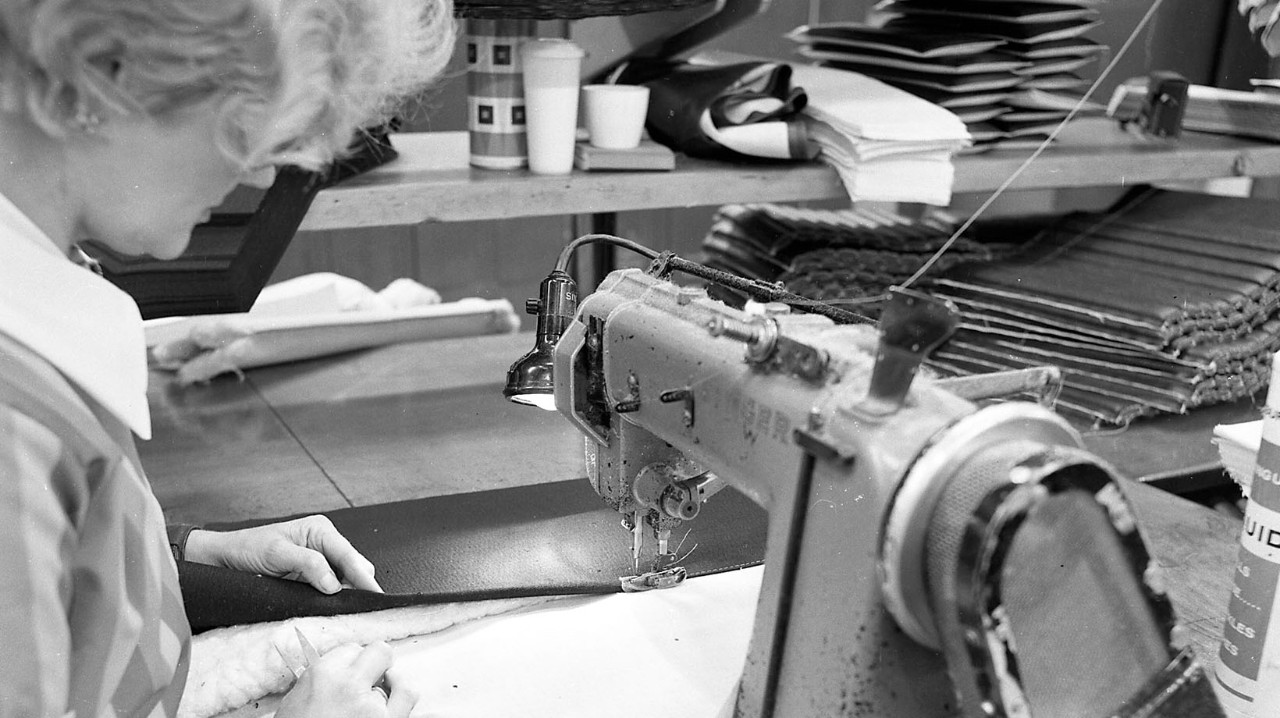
(86, 121)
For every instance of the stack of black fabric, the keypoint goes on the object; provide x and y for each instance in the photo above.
(847, 256)
(1011, 70)
(1165, 302)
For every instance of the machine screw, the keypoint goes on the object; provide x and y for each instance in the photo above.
(680, 504)
(734, 329)
(760, 337)
(685, 395)
(632, 401)
(626, 406)
(671, 397)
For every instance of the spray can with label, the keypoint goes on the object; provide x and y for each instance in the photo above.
(1248, 671)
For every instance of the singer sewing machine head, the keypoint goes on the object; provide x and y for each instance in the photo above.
(926, 556)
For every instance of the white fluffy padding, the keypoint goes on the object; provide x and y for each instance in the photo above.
(317, 315)
(232, 666)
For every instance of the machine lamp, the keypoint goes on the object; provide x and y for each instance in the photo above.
(531, 380)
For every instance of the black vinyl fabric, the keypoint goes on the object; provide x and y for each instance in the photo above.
(541, 540)
(1164, 303)
(680, 93)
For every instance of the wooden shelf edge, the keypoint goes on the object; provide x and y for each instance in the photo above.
(431, 181)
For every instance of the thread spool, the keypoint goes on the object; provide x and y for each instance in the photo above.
(495, 93)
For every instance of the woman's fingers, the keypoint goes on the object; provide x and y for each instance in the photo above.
(309, 549)
(372, 663)
(354, 568)
(308, 565)
(403, 697)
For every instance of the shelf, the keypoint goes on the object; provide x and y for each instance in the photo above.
(432, 182)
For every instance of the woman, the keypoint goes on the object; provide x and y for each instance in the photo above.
(127, 121)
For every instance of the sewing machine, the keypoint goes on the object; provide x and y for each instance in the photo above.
(927, 556)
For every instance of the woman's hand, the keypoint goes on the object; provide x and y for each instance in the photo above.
(340, 685)
(308, 549)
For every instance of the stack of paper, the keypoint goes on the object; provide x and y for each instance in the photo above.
(887, 144)
(1008, 69)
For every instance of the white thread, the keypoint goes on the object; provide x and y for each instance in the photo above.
(1038, 150)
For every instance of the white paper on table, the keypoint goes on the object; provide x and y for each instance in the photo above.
(674, 653)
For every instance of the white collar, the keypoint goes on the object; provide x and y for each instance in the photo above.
(85, 326)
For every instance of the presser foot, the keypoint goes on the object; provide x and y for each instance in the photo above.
(663, 556)
(648, 581)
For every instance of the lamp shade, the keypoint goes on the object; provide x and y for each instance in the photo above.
(531, 380)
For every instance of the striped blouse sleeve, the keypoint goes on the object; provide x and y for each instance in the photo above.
(42, 489)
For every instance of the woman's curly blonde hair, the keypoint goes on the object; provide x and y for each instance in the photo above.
(296, 78)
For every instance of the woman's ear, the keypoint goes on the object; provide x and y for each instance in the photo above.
(103, 82)
(108, 87)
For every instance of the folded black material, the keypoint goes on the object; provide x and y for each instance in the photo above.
(540, 540)
(1166, 302)
(1176, 269)
(681, 94)
(834, 255)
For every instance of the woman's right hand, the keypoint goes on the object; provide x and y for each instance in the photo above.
(340, 684)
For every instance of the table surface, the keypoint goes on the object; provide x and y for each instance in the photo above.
(420, 419)
(428, 418)
(431, 180)
(398, 422)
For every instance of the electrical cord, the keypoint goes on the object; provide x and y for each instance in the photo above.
(663, 263)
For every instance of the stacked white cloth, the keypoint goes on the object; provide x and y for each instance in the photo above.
(316, 315)
(887, 144)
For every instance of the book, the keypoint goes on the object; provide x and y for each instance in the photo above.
(648, 156)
